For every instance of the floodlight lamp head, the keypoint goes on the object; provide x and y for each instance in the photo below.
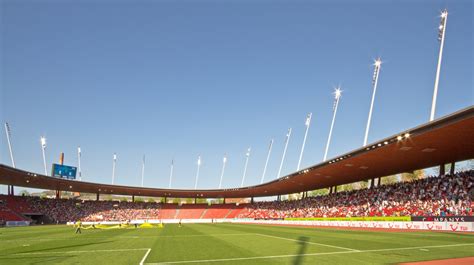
(378, 62)
(337, 93)
(43, 141)
(308, 119)
(444, 13)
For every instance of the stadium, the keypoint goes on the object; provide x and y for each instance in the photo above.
(403, 197)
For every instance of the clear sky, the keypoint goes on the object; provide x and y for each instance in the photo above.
(175, 80)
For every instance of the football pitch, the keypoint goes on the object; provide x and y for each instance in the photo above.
(226, 243)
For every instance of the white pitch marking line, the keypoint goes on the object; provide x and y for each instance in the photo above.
(309, 242)
(310, 254)
(144, 257)
(80, 251)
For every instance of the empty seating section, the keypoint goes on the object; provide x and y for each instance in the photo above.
(191, 211)
(216, 211)
(236, 211)
(168, 211)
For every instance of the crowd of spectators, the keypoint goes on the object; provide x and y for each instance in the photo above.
(433, 196)
(64, 210)
(448, 195)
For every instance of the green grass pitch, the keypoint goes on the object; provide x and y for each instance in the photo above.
(226, 244)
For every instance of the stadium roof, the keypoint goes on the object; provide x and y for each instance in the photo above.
(447, 139)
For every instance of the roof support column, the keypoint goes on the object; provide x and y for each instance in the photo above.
(441, 170)
(97, 197)
(453, 166)
(133, 198)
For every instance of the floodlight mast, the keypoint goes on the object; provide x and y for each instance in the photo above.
(113, 168)
(197, 173)
(43, 148)
(287, 140)
(266, 162)
(441, 36)
(337, 96)
(171, 172)
(224, 162)
(247, 155)
(307, 123)
(8, 133)
(79, 163)
(375, 79)
(143, 169)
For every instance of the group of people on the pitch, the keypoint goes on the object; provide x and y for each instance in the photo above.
(78, 225)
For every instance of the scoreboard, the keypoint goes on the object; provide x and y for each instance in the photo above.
(63, 171)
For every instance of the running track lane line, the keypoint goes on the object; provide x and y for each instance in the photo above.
(308, 242)
(310, 254)
(144, 257)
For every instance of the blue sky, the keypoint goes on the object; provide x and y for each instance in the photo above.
(175, 80)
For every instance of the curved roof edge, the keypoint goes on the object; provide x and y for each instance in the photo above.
(444, 140)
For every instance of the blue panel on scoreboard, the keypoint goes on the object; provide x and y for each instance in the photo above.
(63, 171)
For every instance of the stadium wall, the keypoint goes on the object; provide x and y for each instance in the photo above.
(395, 225)
(390, 225)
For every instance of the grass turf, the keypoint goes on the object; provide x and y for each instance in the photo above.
(226, 244)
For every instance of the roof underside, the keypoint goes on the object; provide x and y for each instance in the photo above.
(445, 140)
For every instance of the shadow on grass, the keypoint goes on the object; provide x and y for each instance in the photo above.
(35, 260)
(302, 250)
(61, 247)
